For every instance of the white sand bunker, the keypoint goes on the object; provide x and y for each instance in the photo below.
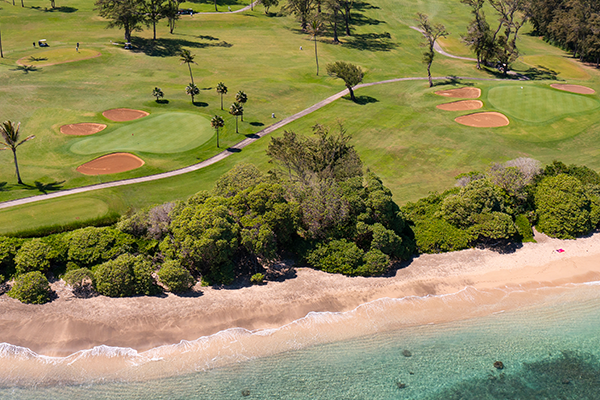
(573, 88)
(483, 120)
(461, 93)
(463, 105)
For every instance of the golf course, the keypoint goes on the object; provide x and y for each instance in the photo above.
(412, 138)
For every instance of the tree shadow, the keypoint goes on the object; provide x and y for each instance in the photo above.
(257, 124)
(234, 150)
(192, 294)
(453, 80)
(63, 9)
(501, 246)
(540, 73)
(363, 5)
(362, 100)
(167, 47)
(27, 68)
(162, 101)
(219, 2)
(370, 42)
(252, 136)
(357, 19)
(3, 186)
(207, 37)
(500, 75)
(34, 59)
(200, 104)
(45, 187)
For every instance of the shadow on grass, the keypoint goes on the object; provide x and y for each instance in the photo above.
(26, 68)
(63, 9)
(257, 124)
(362, 100)
(363, 5)
(540, 73)
(162, 101)
(453, 81)
(252, 136)
(219, 2)
(200, 104)
(166, 47)
(34, 59)
(3, 186)
(45, 187)
(370, 42)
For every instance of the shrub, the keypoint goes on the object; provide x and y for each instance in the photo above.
(175, 277)
(524, 228)
(257, 279)
(31, 288)
(439, 236)
(338, 257)
(91, 246)
(33, 256)
(376, 263)
(242, 176)
(8, 251)
(127, 275)
(563, 207)
(82, 281)
(494, 225)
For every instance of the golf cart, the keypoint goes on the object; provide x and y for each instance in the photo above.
(42, 43)
(128, 46)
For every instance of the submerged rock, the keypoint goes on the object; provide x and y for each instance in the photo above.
(400, 385)
(246, 392)
(406, 353)
(498, 365)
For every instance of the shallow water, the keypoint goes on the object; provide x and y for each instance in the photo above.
(549, 350)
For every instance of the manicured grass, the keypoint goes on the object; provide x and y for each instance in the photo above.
(564, 67)
(538, 105)
(166, 133)
(42, 58)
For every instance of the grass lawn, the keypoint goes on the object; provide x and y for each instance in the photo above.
(397, 130)
(43, 58)
(152, 134)
(564, 67)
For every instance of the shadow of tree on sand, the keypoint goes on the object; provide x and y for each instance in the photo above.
(166, 47)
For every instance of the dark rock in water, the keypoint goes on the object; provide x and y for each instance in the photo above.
(498, 365)
(400, 385)
(246, 392)
(406, 353)
(412, 373)
(566, 381)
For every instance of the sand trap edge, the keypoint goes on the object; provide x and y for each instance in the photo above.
(464, 120)
(89, 169)
(460, 93)
(578, 89)
(94, 128)
(136, 114)
(456, 105)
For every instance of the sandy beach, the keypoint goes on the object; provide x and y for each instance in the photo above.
(69, 324)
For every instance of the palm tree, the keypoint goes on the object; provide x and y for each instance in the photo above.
(10, 134)
(241, 98)
(315, 28)
(236, 109)
(187, 58)
(158, 93)
(221, 89)
(217, 122)
(1, 53)
(192, 90)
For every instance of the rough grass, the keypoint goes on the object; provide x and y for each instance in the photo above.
(563, 66)
(42, 58)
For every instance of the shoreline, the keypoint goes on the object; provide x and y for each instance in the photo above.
(67, 324)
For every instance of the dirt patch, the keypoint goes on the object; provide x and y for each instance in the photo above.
(483, 120)
(111, 164)
(124, 114)
(463, 105)
(573, 88)
(82, 129)
(462, 93)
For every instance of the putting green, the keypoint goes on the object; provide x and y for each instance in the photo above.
(537, 105)
(54, 212)
(43, 58)
(163, 133)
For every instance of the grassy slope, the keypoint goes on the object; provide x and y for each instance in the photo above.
(398, 132)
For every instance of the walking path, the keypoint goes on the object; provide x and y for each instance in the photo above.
(248, 7)
(439, 49)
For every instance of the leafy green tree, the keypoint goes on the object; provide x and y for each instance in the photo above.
(8, 250)
(241, 177)
(171, 12)
(375, 261)
(478, 35)
(192, 90)
(302, 9)
(268, 4)
(221, 89)
(33, 256)
(31, 288)
(186, 57)
(158, 93)
(236, 109)
(125, 14)
(11, 134)
(90, 246)
(351, 74)
(154, 11)
(347, 8)
(176, 278)
(337, 257)
(241, 98)
(217, 122)
(82, 281)
(127, 275)
(315, 28)
(333, 14)
(431, 33)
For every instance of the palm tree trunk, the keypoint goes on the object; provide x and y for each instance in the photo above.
(216, 5)
(218, 137)
(242, 117)
(316, 56)
(22, 5)
(17, 167)
(236, 124)
(154, 28)
(221, 101)
(429, 75)
(1, 53)
(192, 99)
(190, 68)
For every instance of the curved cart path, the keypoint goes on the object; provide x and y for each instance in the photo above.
(222, 155)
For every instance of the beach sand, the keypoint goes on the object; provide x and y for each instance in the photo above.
(69, 324)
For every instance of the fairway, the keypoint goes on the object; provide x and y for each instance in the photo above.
(44, 58)
(165, 133)
(538, 105)
(564, 67)
(54, 212)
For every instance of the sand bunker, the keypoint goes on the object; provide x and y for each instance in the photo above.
(573, 88)
(463, 93)
(463, 105)
(111, 164)
(82, 129)
(124, 114)
(483, 120)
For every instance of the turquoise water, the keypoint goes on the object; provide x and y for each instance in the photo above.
(550, 351)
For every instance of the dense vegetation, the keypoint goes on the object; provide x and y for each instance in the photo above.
(316, 206)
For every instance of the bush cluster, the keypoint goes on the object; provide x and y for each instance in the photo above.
(31, 288)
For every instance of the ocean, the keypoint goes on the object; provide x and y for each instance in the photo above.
(433, 347)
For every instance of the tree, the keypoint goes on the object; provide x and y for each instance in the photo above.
(1, 53)
(126, 275)
(333, 10)
(221, 89)
(478, 35)
(351, 74)
(11, 135)
(187, 58)
(217, 122)
(158, 93)
(347, 6)
(192, 90)
(302, 9)
(236, 109)
(431, 33)
(268, 4)
(504, 46)
(315, 28)
(241, 98)
(176, 278)
(155, 11)
(31, 288)
(33, 256)
(53, 4)
(171, 12)
(125, 14)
